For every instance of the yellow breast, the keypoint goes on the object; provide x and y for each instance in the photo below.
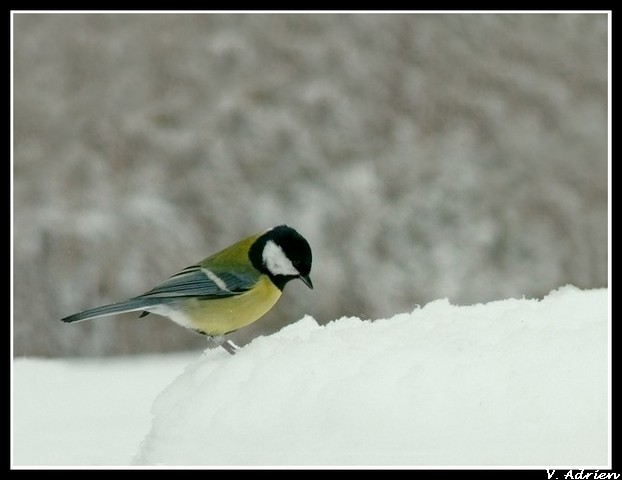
(225, 315)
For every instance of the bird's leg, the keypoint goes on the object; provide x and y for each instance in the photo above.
(228, 345)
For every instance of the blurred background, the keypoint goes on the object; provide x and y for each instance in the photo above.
(422, 155)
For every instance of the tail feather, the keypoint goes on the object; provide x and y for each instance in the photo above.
(115, 308)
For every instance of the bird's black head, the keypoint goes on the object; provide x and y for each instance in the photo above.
(282, 254)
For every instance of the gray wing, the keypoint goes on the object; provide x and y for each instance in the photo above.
(197, 281)
(194, 281)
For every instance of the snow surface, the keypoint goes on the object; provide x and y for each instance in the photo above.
(515, 382)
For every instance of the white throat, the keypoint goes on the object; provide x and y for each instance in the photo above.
(276, 261)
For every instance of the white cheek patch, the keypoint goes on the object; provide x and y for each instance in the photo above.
(276, 261)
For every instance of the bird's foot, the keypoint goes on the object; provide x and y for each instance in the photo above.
(228, 345)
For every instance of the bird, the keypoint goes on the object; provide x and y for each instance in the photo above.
(226, 291)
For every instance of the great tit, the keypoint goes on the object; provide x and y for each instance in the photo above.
(227, 291)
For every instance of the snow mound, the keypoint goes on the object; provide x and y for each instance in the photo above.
(511, 382)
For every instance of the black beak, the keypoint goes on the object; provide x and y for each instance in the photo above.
(307, 280)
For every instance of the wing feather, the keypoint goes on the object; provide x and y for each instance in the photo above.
(202, 282)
